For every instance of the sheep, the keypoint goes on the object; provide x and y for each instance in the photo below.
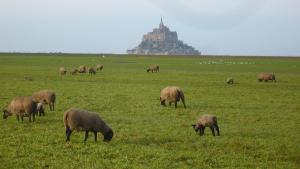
(74, 72)
(28, 78)
(99, 67)
(46, 97)
(82, 69)
(62, 71)
(40, 109)
(172, 94)
(153, 68)
(207, 120)
(266, 77)
(92, 71)
(229, 80)
(82, 120)
(23, 106)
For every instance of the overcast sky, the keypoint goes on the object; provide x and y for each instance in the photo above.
(226, 27)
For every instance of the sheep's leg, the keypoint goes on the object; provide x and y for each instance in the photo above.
(175, 104)
(86, 135)
(95, 134)
(170, 103)
(68, 133)
(212, 130)
(217, 128)
(202, 131)
(18, 118)
(33, 117)
(22, 118)
(52, 107)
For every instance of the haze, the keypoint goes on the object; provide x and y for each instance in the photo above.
(228, 27)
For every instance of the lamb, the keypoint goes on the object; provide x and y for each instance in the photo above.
(207, 120)
(82, 120)
(99, 67)
(46, 97)
(229, 80)
(62, 71)
(74, 72)
(153, 68)
(82, 69)
(21, 106)
(40, 109)
(266, 77)
(92, 71)
(172, 94)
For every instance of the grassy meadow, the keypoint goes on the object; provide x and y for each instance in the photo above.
(259, 122)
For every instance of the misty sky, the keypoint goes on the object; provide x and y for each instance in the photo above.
(226, 27)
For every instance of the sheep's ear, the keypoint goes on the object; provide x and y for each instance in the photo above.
(193, 125)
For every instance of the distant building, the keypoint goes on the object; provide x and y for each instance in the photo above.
(162, 41)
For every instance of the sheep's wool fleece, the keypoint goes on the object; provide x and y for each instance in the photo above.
(170, 93)
(81, 120)
(207, 120)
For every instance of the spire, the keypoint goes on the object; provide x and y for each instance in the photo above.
(161, 25)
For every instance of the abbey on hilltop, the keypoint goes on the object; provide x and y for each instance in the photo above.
(162, 41)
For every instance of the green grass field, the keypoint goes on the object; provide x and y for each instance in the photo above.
(259, 122)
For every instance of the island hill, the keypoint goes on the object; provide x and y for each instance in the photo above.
(162, 41)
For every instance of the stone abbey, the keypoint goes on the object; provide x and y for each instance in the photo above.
(162, 41)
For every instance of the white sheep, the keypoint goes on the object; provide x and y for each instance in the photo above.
(172, 94)
(40, 109)
(207, 120)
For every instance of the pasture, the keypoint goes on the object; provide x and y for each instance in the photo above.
(259, 122)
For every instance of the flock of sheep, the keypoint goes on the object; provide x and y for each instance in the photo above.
(261, 77)
(81, 69)
(82, 120)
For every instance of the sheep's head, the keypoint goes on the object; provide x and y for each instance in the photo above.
(108, 136)
(5, 113)
(195, 127)
(148, 70)
(162, 102)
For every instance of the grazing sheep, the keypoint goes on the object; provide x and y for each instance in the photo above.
(153, 68)
(207, 120)
(46, 97)
(229, 80)
(266, 77)
(99, 67)
(92, 71)
(74, 72)
(82, 120)
(62, 71)
(28, 78)
(171, 94)
(40, 109)
(82, 69)
(21, 106)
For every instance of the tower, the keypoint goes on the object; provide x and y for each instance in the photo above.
(161, 25)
